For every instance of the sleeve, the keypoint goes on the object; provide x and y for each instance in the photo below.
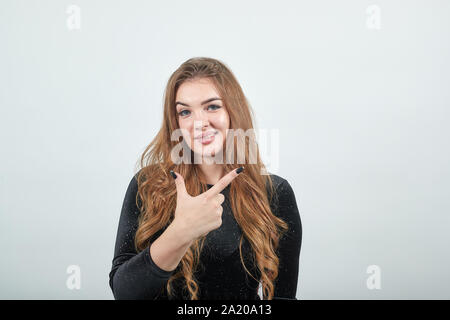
(133, 275)
(289, 246)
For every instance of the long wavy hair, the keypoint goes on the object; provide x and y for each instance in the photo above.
(250, 195)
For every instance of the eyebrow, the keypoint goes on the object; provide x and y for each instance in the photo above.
(206, 101)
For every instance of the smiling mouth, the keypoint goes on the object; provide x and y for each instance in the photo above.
(207, 137)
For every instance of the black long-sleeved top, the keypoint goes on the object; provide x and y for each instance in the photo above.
(220, 274)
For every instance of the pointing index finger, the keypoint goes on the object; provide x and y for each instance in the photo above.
(224, 182)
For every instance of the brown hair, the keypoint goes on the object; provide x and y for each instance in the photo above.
(249, 196)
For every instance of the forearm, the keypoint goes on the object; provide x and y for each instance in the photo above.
(170, 247)
(137, 277)
(143, 275)
(134, 275)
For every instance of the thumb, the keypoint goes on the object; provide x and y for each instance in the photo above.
(179, 183)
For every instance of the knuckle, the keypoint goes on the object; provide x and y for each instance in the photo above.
(204, 199)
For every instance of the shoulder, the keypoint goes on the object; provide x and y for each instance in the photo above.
(133, 184)
(278, 181)
(284, 202)
(141, 176)
(132, 198)
(143, 173)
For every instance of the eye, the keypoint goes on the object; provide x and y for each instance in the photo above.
(181, 112)
(216, 107)
(213, 105)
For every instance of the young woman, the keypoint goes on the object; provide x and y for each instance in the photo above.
(208, 229)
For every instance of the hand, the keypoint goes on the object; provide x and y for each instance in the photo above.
(199, 215)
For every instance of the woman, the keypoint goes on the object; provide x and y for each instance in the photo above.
(218, 229)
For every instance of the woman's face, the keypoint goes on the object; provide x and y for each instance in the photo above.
(200, 111)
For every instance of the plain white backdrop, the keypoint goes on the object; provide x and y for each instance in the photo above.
(359, 91)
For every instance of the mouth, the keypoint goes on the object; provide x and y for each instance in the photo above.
(207, 137)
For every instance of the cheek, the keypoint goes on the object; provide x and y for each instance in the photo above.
(187, 127)
(222, 124)
(222, 121)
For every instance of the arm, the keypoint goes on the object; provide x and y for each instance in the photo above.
(168, 250)
(136, 275)
(290, 244)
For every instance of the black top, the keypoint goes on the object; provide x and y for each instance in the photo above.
(135, 275)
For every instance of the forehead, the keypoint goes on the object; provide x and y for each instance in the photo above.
(193, 92)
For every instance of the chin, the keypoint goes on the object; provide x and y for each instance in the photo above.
(209, 150)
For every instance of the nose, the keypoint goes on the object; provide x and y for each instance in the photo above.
(201, 120)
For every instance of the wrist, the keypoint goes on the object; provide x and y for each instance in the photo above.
(181, 232)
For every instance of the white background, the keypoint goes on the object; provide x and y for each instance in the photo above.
(363, 117)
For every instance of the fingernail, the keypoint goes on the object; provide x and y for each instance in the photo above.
(173, 174)
(239, 170)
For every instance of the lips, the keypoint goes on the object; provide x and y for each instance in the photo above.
(206, 135)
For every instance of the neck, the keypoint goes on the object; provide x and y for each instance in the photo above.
(211, 172)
